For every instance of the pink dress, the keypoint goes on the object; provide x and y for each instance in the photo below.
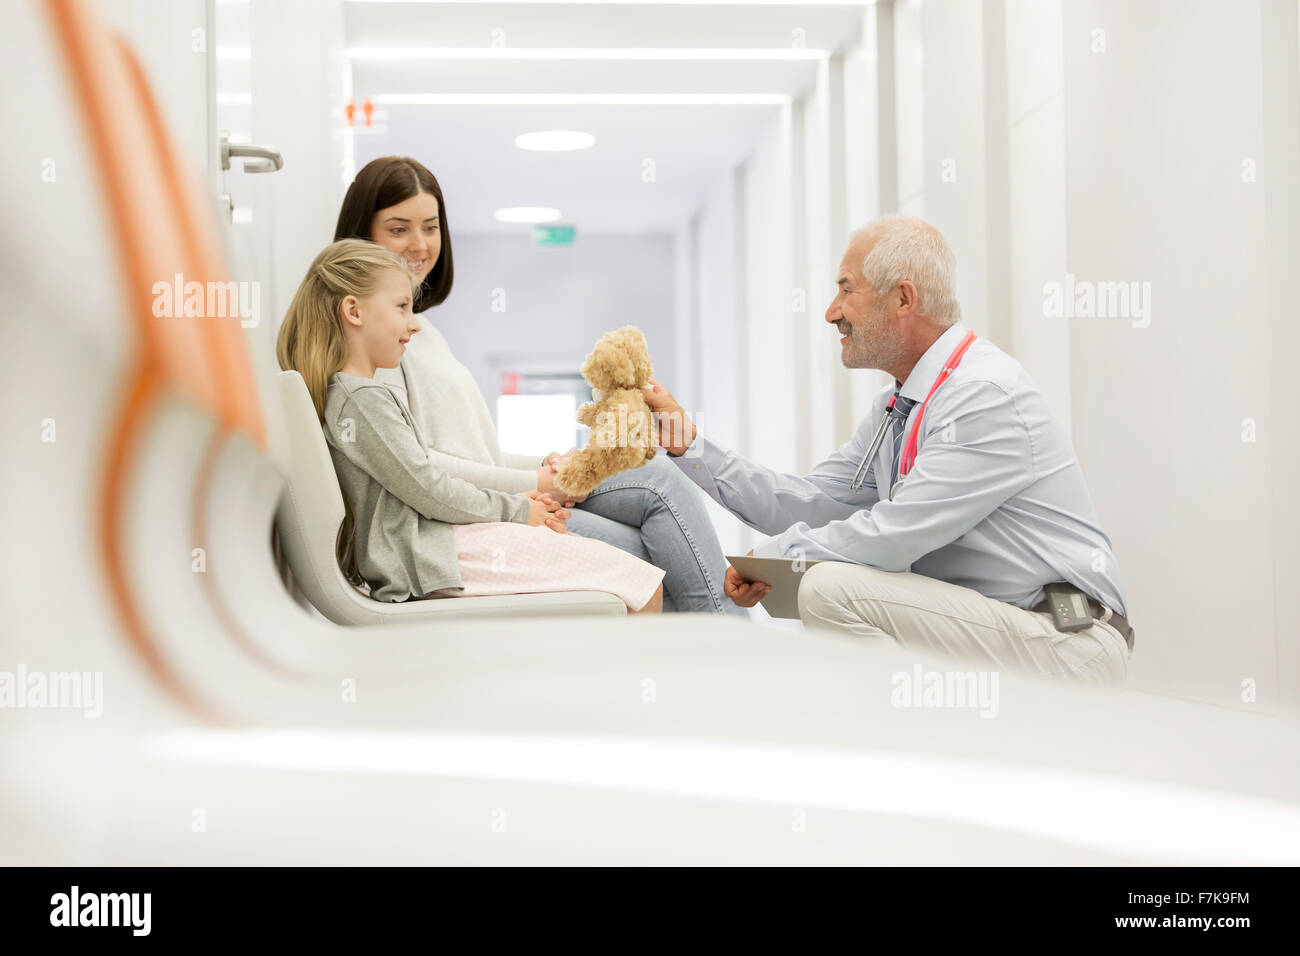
(504, 557)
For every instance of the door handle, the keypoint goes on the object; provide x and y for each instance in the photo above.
(260, 159)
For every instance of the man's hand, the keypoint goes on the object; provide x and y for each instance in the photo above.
(743, 593)
(676, 430)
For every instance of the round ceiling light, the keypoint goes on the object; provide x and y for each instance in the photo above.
(555, 140)
(528, 214)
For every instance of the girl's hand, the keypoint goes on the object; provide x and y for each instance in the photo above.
(543, 510)
(554, 458)
(546, 478)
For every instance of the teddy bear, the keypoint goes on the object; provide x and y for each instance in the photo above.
(623, 433)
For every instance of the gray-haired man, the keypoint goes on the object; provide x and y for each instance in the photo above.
(957, 515)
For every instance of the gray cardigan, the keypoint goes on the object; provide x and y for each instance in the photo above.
(403, 505)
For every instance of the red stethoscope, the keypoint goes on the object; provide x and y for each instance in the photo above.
(908, 456)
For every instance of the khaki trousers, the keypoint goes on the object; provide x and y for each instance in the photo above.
(931, 615)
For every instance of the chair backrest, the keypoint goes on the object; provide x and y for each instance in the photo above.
(311, 508)
(151, 212)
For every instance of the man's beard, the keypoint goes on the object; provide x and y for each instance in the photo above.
(872, 345)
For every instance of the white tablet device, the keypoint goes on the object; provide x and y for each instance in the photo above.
(781, 574)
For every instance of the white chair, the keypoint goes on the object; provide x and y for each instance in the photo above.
(310, 514)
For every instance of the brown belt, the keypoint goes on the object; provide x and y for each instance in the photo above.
(1116, 620)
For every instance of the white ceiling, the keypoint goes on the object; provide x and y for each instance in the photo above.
(569, 76)
(661, 25)
(562, 52)
(471, 150)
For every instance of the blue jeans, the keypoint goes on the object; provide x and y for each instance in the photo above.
(657, 514)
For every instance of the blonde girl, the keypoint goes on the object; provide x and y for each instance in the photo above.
(411, 530)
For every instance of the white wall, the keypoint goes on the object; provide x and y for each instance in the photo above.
(828, 416)
(685, 293)
(298, 88)
(558, 301)
(1158, 127)
(1134, 163)
(910, 105)
(1280, 152)
(1035, 67)
(715, 400)
(870, 151)
(953, 179)
(768, 323)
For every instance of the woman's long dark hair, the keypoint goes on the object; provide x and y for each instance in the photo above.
(386, 182)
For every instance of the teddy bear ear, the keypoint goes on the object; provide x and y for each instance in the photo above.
(597, 358)
(598, 368)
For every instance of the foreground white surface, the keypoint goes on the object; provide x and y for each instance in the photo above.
(653, 741)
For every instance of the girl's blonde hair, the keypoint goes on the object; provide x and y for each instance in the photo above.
(311, 340)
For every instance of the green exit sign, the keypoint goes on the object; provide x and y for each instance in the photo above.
(554, 235)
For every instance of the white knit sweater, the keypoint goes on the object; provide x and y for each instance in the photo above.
(452, 417)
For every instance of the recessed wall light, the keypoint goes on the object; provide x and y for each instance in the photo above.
(527, 214)
(580, 99)
(555, 140)
(389, 54)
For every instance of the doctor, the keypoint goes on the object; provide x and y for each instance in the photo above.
(957, 515)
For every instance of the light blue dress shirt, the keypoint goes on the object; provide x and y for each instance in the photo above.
(995, 500)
